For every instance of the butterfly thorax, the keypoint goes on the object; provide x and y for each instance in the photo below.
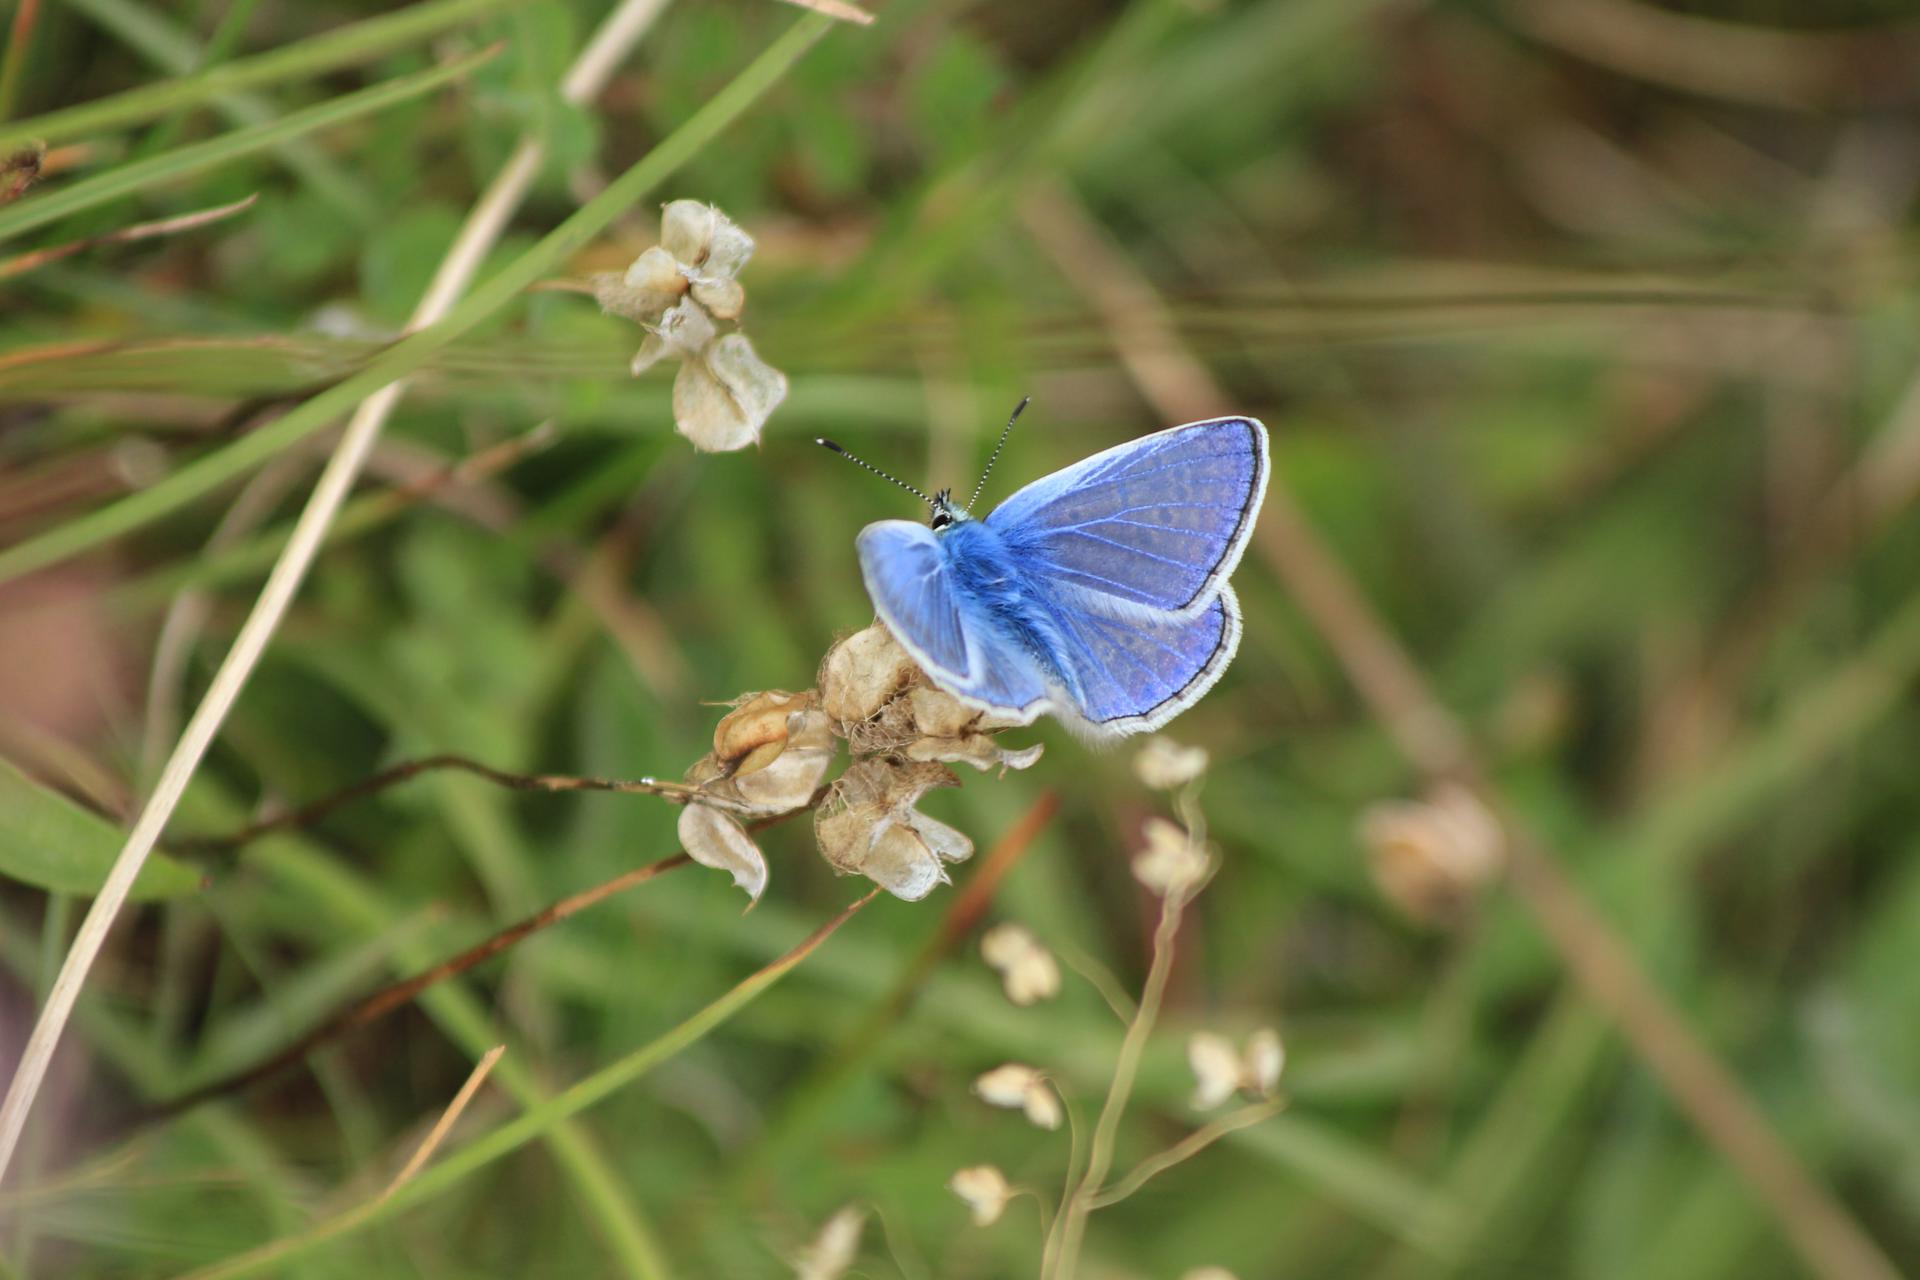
(986, 571)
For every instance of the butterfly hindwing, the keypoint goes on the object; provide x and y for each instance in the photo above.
(1133, 672)
(1157, 523)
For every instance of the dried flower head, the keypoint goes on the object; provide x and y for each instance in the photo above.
(1173, 864)
(985, 1190)
(1220, 1070)
(834, 1249)
(1017, 1086)
(1165, 765)
(770, 755)
(724, 392)
(1431, 857)
(1027, 969)
(868, 826)
(862, 674)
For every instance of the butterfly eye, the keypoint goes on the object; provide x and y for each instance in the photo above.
(941, 520)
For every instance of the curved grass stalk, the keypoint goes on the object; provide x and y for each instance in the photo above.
(201, 156)
(510, 1137)
(343, 47)
(399, 361)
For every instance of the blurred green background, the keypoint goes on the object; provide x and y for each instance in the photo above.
(1586, 333)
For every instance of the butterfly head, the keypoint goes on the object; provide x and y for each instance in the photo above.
(946, 512)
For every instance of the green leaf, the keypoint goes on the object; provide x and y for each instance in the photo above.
(48, 841)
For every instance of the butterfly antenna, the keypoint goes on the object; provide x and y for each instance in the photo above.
(858, 462)
(998, 446)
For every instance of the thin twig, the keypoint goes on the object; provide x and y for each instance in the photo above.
(1073, 1214)
(482, 229)
(441, 1127)
(1185, 1149)
(409, 769)
(20, 264)
(1437, 744)
(399, 994)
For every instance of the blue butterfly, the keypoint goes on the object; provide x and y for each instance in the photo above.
(1097, 594)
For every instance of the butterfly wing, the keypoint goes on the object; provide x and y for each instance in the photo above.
(912, 587)
(1157, 523)
(1133, 671)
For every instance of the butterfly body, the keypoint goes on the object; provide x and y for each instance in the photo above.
(1097, 594)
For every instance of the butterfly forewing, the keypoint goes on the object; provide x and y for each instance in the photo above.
(1156, 523)
(946, 631)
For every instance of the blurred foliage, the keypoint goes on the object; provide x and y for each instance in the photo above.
(1587, 339)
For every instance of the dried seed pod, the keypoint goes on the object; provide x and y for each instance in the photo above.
(862, 673)
(868, 826)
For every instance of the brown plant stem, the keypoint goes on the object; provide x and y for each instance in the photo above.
(398, 994)
(1438, 745)
(318, 811)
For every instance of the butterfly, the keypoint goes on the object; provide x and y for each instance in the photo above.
(1097, 594)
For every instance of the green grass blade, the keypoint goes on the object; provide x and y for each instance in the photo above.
(534, 1122)
(48, 841)
(200, 157)
(208, 473)
(344, 47)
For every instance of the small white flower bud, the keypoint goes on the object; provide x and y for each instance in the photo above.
(835, 1248)
(1027, 969)
(1165, 765)
(985, 1190)
(1172, 864)
(1017, 1086)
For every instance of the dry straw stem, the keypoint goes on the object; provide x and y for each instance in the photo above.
(1437, 744)
(25, 262)
(448, 1118)
(482, 228)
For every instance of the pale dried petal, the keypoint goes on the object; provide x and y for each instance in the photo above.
(862, 674)
(713, 839)
(756, 386)
(985, 1190)
(787, 783)
(1265, 1056)
(898, 860)
(976, 749)
(1027, 969)
(647, 289)
(724, 298)
(835, 1248)
(1165, 764)
(705, 239)
(938, 714)
(1216, 1069)
(687, 329)
(686, 229)
(656, 269)
(1007, 1085)
(707, 414)
(1171, 864)
(949, 844)
(652, 349)
(1042, 1107)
